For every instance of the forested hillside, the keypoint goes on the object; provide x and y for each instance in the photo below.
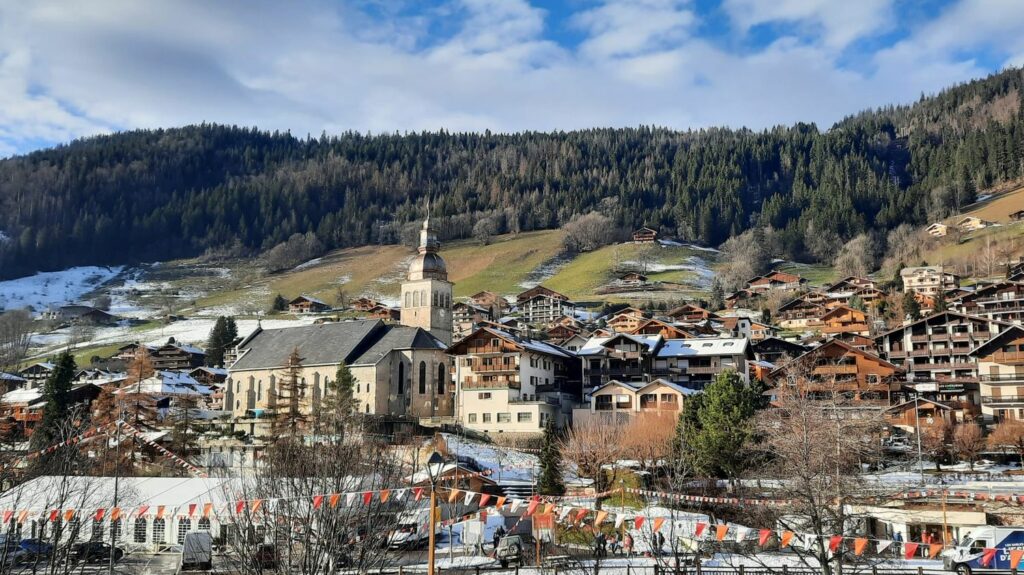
(159, 194)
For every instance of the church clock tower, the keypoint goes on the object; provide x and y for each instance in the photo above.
(427, 295)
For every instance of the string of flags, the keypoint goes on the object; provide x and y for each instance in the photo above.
(968, 495)
(705, 499)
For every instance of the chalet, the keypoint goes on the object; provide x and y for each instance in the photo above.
(466, 317)
(1017, 216)
(691, 313)
(174, 356)
(37, 373)
(928, 280)
(1001, 375)
(1003, 301)
(627, 320)
(307, 304)
(740, 299)
(776, 351)
(574, 342)
(10, 382)
(664, 329)
(632, 279)
(838, 368)
(383, 312)
(775, 280)
(738, 326)
(919, 413)
(559, 332)
(209, 375)
(100, 377)
(620, 357)
(129, 351)
(645, 236)
(26, 405)
(843, 319)
(540, 305)
(972, 223)
(851, 284)
(694, 363)
(363, 304)
(858, 341)
(491, 301)
(799, 313)
(937, 230)
(81, 315)
(511, 384)
(619, 402)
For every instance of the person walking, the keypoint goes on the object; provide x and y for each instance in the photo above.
(627, 545)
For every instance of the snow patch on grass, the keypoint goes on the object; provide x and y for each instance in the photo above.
(54, 289)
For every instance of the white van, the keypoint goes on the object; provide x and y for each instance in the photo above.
(966, 557)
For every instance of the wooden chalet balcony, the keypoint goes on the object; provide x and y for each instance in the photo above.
(487, 350)
(496, 368)
(658, 406)
(835, 369)
(1002, 378)
(499, 382)
(847, 328)
(898, 353)
(1008, 357)
(624, 354)
(920, 352)
(702, 369)
(929, 337)
(1002, 399)
(617, 372)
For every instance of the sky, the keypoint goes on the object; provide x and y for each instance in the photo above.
(71, 69)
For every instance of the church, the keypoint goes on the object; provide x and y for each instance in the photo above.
(401, 370)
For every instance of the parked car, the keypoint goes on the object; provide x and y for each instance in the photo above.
(197, 552)
(33, 550)
(513, 549)
(96, 552)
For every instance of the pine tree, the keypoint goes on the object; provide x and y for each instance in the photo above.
(724, 416)
(289, 418)
(232, 330)
(910, 306)
(279, 304)
(57, 395)
(216, 342)
(940, 301)
(550, 464)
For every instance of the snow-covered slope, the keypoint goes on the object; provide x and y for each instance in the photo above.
(54, 289)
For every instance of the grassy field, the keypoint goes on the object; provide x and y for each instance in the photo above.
(999, 208)
(817, 274)
(503, 264)
(580, 278)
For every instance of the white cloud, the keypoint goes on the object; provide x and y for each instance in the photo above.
(837, 23)
(70, 69)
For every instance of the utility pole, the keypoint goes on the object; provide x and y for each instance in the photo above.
(117, 481)
(917, 423)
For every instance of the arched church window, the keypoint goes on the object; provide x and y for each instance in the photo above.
(423, 378)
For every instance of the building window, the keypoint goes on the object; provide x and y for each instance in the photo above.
(423, 377)
(401, 377)
(871, 378)
(97, 530)
(442, 376)
(159, 528)
(140, 530)
(505, 417)
(483, 395)
(115, 530)
(415, 299)
(524, 417)
(408, 303)
(472, 418)
(487, 418)
(204, 524)
(184, 526)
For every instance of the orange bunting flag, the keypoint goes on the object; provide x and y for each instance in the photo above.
(142, 511)
(160, 509)
(318, 501)
(367, 497)
(384, 494)
(987, 555)
(500, 502)
(207, 509)
(763, 536)
(484, 498)
(934, 549)
(115, 513)
(256, 505)
(22, 516)
(1015, 557)
(700, 529)
(909, 550)
(531, 508)
(191, 510)
(69, 514)
(859, 545)
(7, 516)
(581, 514)
(638, 522)
(658, 522)
(100, 513)
(453, 495)
(334, 499)
(549, 508)
(787, 536)
(601, 516)
(720, 531)
(418, 493)
(834, 542)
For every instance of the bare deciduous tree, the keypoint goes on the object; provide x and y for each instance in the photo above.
(589, 232)
(1008, 434)
(593, 447)
(968, 442)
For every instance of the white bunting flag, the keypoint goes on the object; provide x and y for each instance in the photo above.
(619, 518)
(469, 497)
(882, 546)
(515, 505)
(400, 494)
(564, 513)
(741, 533)
(349, 498)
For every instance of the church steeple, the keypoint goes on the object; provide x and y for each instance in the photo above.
(428, 264)
(427, 295)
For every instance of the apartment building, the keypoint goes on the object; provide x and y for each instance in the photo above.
(928, 280)
(694, 363)
(620, 357)
(839, 368)
(842, 319)
(1001, 376)
(511, 384)
(1003, 301)
(541, 306)
(619, 402)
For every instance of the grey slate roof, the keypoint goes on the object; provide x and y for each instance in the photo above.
(398, 337)
(318, 344)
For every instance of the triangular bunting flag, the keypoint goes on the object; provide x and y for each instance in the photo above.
(207, 509)
(531, 507)
(658, 522)
(69, 515)
(834, 542)
(333, 501)
(638, 522)
(191, 510)
(418, 493)
(239, 508)
(1015, 557)
(318, 501)
(484, 498)
(987, 555)
(720, 531)
(762, 537)
(549, 508)
(599, 519)
(741, 534)
(54, 515)
(564, 513)
(400, 494)
(619, 518)
(367, 497)
(453, 495)
(469, 498)
(500, 502)
(515, 505)
(787, 537)
(384, 494)
(115, 513)
(934, 549)
(909, 550)
(350, 498)
(22, 516)
(99, 514)
(142, 511)
(859, 545)
(580, 514)
(699, 530)
(882, 546)
(256, 505)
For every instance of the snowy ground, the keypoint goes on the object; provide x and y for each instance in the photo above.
(54, 289)
(506, 464)
(544, 272)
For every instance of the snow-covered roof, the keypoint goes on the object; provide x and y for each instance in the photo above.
(10, 377)
(22, 396)
(595, 345)
(169, 383)
(212, 370)
(532, 344)
(704, 347)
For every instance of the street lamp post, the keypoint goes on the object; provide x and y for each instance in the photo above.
(434, 465)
